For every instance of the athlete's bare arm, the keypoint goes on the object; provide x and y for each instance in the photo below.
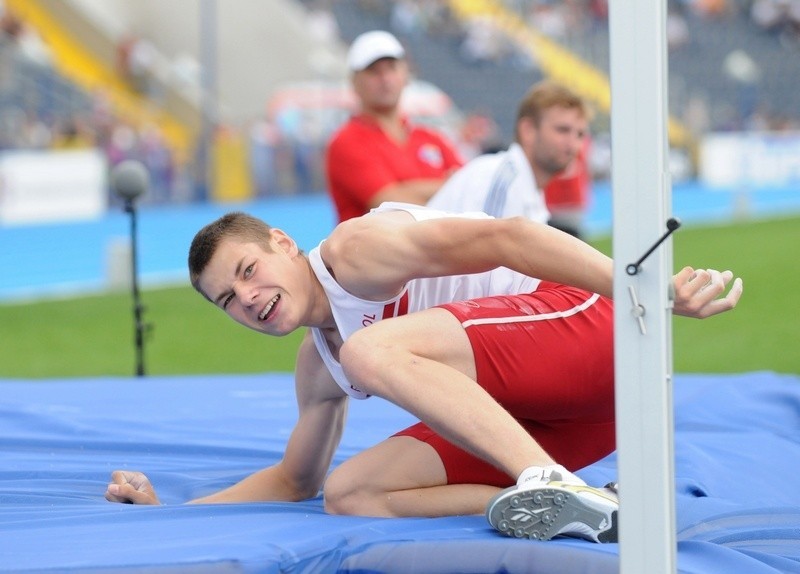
(309, 451)
(374, 256)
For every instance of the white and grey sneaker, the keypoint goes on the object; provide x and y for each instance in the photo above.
(541, 511)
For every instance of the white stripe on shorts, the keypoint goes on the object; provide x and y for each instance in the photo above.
(527, 318)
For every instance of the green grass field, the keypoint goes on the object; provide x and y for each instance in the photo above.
(93, 335)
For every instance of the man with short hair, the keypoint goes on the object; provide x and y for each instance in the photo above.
(495, 333)
(379, 155)
(550, 134)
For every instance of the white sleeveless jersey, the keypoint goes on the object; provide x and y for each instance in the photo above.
(352, 313)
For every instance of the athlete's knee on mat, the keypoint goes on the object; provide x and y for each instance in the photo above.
(344, 495)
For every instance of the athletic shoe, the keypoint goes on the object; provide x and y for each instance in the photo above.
(545, 474)
(541, 511)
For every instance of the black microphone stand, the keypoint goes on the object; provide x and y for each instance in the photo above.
(138, 308)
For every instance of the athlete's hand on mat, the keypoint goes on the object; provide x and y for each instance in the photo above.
(131, 488)
(697, 292)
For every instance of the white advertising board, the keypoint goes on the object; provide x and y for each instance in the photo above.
(52, 186)
(755, 159)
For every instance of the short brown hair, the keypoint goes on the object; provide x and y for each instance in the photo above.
(547, 94)
(237, 225)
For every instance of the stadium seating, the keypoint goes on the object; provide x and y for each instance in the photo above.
(695, 70)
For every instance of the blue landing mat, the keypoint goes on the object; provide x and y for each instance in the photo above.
(737, 467)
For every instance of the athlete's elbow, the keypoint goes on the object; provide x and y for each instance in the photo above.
(303, 490)
(296, 488)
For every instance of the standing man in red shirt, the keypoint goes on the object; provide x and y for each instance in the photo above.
(378, 155)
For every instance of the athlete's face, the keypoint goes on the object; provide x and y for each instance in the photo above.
(555, 142)
(261, 289)
(380, 85)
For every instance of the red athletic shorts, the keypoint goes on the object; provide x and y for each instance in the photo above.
(548, 358)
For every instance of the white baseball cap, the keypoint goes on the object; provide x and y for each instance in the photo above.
(370, 47)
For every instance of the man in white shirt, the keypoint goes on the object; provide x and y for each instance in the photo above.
(552, 124)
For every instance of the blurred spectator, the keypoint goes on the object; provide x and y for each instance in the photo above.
(677, 30)
(27, 41)
(378, 155)
(599, 10)
(767, 14)
(33, 47)
(549, 19)
(710, 8)
(696, 115)
(72, 133)
(158, 160)
(123, 144)
(137, 58)
(483, 43)
(35, 133)
(264, 139)
(305, 156)
(406, 17)
(10, 25)
(780, 17)
(321, 22)
(551, 128)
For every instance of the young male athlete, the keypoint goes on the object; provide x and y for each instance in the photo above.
(443, 315)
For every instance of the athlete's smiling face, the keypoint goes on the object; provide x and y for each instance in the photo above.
(257, 287)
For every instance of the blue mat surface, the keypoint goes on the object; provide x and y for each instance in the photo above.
(737, 467)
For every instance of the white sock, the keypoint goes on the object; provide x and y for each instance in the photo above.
(544, 474)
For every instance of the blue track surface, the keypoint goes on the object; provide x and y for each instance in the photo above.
(73, 258)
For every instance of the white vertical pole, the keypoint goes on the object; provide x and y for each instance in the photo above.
(643, 359)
